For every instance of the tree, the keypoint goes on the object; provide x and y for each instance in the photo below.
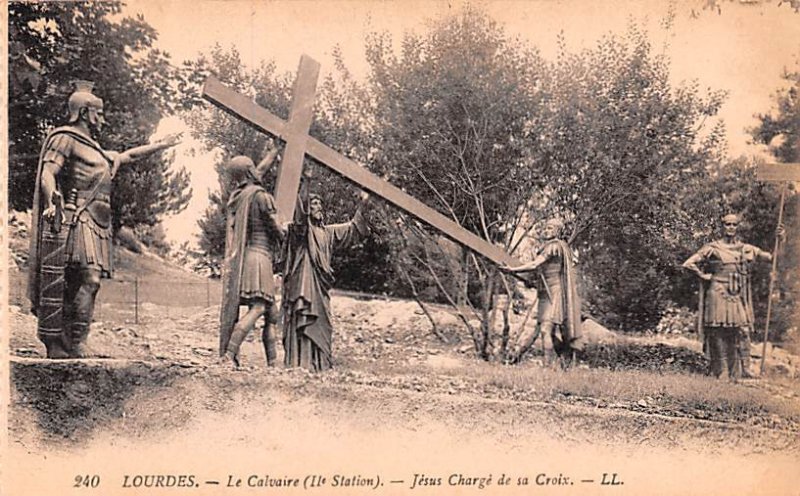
(623, 151)
(780, 130)
(451, 113)
(718, 6)
(55, 43)
(480, 127)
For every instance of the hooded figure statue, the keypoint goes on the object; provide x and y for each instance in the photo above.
(252, 237)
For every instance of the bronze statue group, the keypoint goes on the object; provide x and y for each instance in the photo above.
(71, 251)
(255, 242)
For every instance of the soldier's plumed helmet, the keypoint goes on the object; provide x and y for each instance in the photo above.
(731, 219)
(82, 98)
(240, 168)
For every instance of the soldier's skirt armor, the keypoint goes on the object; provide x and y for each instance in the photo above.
(89, 241)
(725, 305)
(257, 276)
(551, 294)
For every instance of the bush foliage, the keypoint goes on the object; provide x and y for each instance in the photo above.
(488, 132)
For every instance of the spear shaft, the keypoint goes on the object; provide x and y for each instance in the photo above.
(772, 275)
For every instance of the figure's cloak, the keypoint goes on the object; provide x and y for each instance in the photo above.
(569, 283)
(37, 222)
(238, 212)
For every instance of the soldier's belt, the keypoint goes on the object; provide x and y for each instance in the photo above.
(101, 197)
(98, 208)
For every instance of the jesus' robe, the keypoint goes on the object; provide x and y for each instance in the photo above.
(308, 278)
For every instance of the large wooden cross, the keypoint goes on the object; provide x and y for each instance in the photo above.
(783, 173)
(298, 144)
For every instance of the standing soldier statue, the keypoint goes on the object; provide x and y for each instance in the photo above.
(252, 237)
(726, 300)
(71, 224)
(559, 304)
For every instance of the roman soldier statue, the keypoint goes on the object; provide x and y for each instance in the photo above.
(726, 301)
(553, 269)
(70, 248)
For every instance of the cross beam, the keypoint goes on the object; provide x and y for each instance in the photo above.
(299, 143)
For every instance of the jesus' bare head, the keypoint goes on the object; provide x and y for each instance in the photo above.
(315, 209)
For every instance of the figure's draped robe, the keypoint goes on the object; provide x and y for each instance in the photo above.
(308, 278)
(560, 302)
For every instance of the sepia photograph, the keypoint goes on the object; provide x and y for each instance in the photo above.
(392, 247)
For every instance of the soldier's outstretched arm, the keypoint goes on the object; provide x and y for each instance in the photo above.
(780, 234)
(763, 255)
(526, 267)
(142, 151)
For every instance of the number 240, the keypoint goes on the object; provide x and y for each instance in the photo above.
(87, 481)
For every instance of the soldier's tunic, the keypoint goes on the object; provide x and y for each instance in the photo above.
(728, 301)
(251, 239)
(82, 171)
(87, 171)
(262, 240)
(558, 296)
(727, 312)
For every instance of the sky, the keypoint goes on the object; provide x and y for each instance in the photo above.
(744, 50)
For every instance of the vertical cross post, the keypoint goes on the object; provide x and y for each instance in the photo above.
(296, 135)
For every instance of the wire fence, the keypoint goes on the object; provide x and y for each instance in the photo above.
(134, 300)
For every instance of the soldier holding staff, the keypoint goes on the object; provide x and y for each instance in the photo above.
(726, 300)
